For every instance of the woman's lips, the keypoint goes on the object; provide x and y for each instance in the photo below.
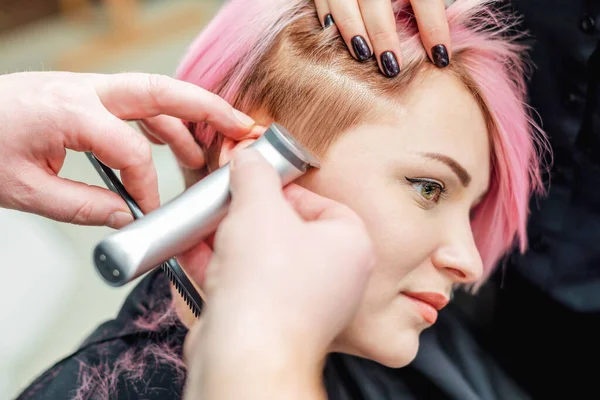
(428, 304)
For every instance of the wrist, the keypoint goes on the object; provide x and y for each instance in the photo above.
(256, 363)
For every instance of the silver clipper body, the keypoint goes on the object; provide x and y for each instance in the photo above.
(191, 217)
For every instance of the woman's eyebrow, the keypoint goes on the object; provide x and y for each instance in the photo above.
(458, 169)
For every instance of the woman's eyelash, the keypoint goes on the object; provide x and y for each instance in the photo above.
(430, 190)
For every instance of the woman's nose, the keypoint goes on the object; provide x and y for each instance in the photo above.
(459, 258)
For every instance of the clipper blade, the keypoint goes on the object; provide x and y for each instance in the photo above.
(182, 283)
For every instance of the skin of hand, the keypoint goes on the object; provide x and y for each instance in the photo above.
(42, 114)
(369, 27)
(287, 274)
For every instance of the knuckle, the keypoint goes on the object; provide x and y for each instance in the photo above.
(62, 105)
(53, 89)
(143, 150)
(216, 105)
(83, 213)
(157, 86)
(140, 151)
(348, 23)
(213, 98)
(381, 37)
(57, 95)
(433, 30)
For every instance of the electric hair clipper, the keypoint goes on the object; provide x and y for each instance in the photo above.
(191, 217)
(171, 268)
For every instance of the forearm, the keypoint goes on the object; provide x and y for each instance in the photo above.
(260, 379)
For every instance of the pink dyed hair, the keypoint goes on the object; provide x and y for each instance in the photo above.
(486, 56)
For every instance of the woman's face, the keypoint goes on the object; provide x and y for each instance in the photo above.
(414, 179)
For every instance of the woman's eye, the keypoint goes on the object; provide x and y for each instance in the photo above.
(429, 190)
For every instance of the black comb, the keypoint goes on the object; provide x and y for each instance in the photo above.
(171, 268)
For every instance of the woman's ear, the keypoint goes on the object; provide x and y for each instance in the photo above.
(231, 146)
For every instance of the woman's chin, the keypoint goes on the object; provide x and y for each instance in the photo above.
(393, 352)
(397, 357)
(400, 359)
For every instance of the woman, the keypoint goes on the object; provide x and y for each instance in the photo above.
(439, 164)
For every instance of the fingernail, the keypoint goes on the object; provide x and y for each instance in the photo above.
(361, 48)
(440, 56)
(244, 157)
(389, 62)
(243, 118)
(328, 21)
(119, 219)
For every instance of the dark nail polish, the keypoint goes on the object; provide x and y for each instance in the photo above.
(361, 48)
(389, 62)
(328, 20)
(440, 56)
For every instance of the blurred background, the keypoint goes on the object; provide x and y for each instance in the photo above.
(50, 294)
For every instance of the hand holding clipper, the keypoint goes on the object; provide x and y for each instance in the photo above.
(191, 217)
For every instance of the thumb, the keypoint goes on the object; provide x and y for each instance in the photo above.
(64, 200)
(195, 261)
(254, 183)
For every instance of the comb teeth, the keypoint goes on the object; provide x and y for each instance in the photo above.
(192, 305)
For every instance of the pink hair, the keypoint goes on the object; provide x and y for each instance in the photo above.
(224, 55)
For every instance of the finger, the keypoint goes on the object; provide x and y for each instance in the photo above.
(254, 183)
(380, 22)
(64, 200)
(171, 131)
(195, 261)
(312, 207)
(191, 344)
(149, 135)
(120, 147)
(350, 24)
(434, 30)
(138, 96)
(324, 13)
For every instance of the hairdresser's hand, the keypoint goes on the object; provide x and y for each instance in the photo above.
(287, 275)
(44, 113)
(370, 25)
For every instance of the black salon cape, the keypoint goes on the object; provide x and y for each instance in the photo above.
(450, 365)
(544, 307)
